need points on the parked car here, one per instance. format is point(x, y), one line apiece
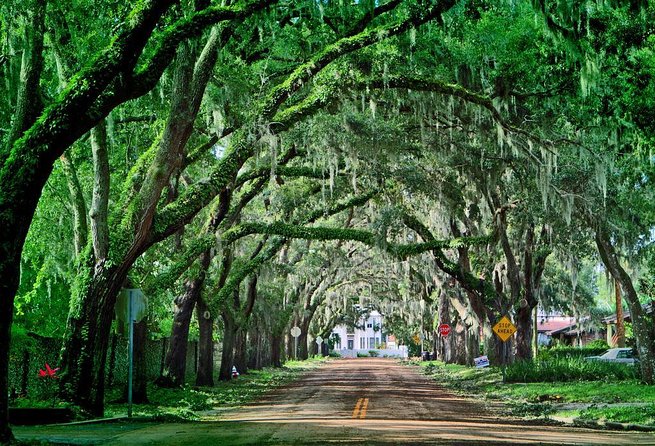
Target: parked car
point(622, 355)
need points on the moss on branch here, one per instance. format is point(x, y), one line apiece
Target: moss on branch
point(291, 231)
point(283, 171)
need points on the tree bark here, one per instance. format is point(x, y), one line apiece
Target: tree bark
point(175, 363)
point(240, 359)
point(16, 214)
point(205, 374)
point(28, 103)
point(276, 350)
point(444, 352)
point(100, 201)
point(227, 354)
point(86, 342)
point(460, 337)
point(78, 204)
point(523, 322)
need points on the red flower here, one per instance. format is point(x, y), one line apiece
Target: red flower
point(48, 372)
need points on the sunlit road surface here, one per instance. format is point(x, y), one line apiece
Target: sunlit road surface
point(363, 401)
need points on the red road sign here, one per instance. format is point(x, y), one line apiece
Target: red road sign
point(444, 330)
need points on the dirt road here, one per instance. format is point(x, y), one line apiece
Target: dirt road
point(357, 401)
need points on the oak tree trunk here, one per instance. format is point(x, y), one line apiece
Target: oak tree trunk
point(227, 354)
point(240, 360)
point(276, 350)
point(84, 352)
point(205, 374)
point(523, 322)
point(175, 363)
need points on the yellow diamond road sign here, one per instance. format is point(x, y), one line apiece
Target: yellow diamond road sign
point(504, 329)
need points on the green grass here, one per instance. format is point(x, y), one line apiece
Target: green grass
point(575, 392)
point(539, 399)
point(637, 415)
point(185, 403)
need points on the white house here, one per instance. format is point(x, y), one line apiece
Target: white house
point(372, 336)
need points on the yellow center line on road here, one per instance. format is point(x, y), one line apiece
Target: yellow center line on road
point(360, 408)
point(362, 413)
point(357, 406)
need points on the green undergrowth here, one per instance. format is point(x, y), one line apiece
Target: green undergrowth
point(188, 403)
point(569, 369)
point(543, 399)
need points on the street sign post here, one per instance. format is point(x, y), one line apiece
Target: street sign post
point(319, 341)
point(504, 329)
point(295, 332)
point(444, 330)
point(131, 307)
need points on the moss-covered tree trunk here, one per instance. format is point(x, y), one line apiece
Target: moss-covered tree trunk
point(85, 347)
point(20, 189)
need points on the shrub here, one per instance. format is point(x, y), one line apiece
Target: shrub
point(569, 352)
point(568, 369)
point(373, 353)
point(362, 355)
point(334, 354)
point(600, 344)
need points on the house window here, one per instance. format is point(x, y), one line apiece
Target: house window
point(369, 325)
point(371, 342)
point(361, 343)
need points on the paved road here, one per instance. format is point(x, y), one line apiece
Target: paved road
point(356, 401)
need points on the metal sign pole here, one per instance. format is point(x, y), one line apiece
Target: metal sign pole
point(504, 359)
point(130, 353)
point(295, 350)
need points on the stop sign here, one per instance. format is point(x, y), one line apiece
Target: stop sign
point(444, 329)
